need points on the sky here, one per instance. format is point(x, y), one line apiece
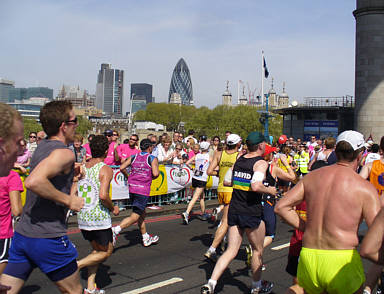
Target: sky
point(309, 45)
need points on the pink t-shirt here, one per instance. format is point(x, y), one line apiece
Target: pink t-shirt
point(88, 150)
point(110, 159)
point(125, 151)
point(7, 184)
point(24, 158)
point(192, 153)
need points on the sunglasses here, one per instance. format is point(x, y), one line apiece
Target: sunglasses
point(32, 137)
point(179, 149)
point(108, 135)
point(74, 121)
point(115, 135)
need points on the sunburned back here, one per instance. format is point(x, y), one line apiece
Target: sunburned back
point(334, 197)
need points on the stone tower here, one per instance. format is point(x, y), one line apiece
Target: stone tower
point(369, 72)
point(227, 96)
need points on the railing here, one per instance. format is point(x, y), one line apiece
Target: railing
point(344, 101)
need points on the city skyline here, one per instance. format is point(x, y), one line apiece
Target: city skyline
point(309, 46)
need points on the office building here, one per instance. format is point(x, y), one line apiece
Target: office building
point(142, 91)
point(5, 87)
point(109, 90)
point(181, 83)
point(78, 97)
point(26, 93)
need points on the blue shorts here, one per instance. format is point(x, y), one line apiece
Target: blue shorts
point(243, 221)
point(269, 218)
point(139, 203)
point(48, 254)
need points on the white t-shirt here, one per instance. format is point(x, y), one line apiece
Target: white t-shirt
point(201, 166)
point(371, 157)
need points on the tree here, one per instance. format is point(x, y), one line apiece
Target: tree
point(84, 125)
point(31, 125)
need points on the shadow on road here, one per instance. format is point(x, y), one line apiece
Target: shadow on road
point(103, 277)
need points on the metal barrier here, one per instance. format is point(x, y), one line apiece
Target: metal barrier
point(182, 196)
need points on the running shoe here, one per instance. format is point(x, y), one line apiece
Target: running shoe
point(263, 267)
point(206, 289)
point(185, 216)
point(379, 290)
point(248, 251)
point(211, 255)
point(114, 236)
point(151, 240)
point(94, 291)
point(266, 287)
point(204, 216)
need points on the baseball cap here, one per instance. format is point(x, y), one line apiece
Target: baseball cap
point(233, 139)
point(108, 133)
point(204, 145)
point(255, 138)
point(282, 139)
point(355, 139)
point(269, 149)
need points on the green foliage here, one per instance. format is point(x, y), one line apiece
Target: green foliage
point(241, 119)
point(84, 125)
point(31, 125)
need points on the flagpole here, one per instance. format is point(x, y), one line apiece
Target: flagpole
point(262, 78)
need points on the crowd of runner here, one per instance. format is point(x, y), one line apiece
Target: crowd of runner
point(323, 188)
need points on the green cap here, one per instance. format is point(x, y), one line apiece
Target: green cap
point(255, 138)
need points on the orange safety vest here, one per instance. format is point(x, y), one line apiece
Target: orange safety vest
point(376, 177)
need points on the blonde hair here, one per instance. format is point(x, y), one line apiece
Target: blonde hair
point(8, 116)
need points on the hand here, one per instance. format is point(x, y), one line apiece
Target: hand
point(272, 191)
point(284, 161)
point(75, 203)
point(116, 210)
point(4, 289)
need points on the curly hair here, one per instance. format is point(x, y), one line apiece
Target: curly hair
point(99, 145)
point(53, 114)
point(8, 116)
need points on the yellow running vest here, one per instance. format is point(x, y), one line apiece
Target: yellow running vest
point(226, 162)
point(376, 177)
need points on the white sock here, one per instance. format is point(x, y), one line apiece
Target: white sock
point(256, 285)
point(212, 249)
point(218, 209)
point(145, 236)
point(117, 229)
point(212, 283)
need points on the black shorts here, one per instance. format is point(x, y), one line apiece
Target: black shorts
point(269, 218)
point(198, 184)
point(139, 203)
point(293, 262)
point(101, 237)
point(5, 244)
point(243, 221)
point(282, 183)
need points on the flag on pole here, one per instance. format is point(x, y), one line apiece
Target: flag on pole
point(266, 72)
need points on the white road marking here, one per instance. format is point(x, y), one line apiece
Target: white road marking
point(154, 286)
point(280, 247)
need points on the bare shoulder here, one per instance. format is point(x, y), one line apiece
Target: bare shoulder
point(64, 155)
point(260, 164)
point(107, 170)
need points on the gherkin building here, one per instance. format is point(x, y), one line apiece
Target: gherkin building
point(181, 83)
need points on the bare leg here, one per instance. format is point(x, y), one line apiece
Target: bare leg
point(15, 283)
point(256, 239)
point(234, 241)
point(141, 223)
point(70, 284)
point(92, 270)
point(295, 289)
point(128, 221)
point(202, 202)
point(267, 241)
point(2, 267)
point(222, 229)
point(98, 255)
point(196, 195)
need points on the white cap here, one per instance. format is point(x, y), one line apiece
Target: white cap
point(355, 139)
point(204, 145)
point(233, 139)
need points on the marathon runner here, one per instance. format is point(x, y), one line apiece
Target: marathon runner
point(199, 181)
point(245, 213)
point(40, 238)
point(94, 218)
point(144, 168)
point(224, 160)
point(337, 199)
point(374, 172)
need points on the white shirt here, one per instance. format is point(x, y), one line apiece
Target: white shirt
point(371, 157)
